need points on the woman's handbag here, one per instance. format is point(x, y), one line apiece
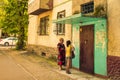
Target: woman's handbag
point(73, 54)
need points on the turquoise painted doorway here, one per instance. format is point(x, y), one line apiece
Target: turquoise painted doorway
point(87, 49)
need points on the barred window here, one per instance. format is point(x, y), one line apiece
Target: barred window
point(87, 8)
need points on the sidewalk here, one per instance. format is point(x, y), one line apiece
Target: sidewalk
point(78, 75)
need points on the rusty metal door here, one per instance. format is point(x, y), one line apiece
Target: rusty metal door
point(87, 49)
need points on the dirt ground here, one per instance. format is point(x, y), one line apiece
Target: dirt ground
point(44, 68)
point(37, 67)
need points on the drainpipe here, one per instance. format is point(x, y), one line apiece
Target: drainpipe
point(71, 33)
point(107, 24)
point(40, 4)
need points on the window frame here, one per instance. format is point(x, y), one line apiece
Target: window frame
point(60, 28)
point(44, 25)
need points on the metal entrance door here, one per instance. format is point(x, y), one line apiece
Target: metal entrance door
point(87, 49)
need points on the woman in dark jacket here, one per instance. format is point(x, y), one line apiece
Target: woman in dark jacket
point(61, 53)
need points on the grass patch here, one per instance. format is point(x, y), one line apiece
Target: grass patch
point(52, 58)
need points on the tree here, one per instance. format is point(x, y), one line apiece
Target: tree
point(15, 20)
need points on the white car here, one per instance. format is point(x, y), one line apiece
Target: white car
point(8, 41)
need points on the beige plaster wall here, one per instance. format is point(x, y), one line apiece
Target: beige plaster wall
point(32, 29)
point(59, 2)
point(52, 39)
point(114, 27)
point(67, 6)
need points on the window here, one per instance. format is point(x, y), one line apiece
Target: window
point(87, 7)
point(60, 27)
point(44, 24)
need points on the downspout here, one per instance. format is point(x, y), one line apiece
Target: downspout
point(72, 32)
point(107, 24)
point(72, 25)
point(40, 4)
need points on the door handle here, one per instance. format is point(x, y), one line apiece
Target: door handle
point(85, 41)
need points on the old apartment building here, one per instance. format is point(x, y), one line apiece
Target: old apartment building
point(92, 25)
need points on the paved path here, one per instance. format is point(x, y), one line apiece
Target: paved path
point(9, 70)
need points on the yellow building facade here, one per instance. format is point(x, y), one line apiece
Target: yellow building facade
point(43, 34)
point(114, 27)
point(51, 38)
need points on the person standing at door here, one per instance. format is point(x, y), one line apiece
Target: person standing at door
point(68, 56)
point(61, 53)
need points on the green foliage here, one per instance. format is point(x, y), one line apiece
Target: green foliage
point(52, 58)
point(100, 11)
point(15, 20)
